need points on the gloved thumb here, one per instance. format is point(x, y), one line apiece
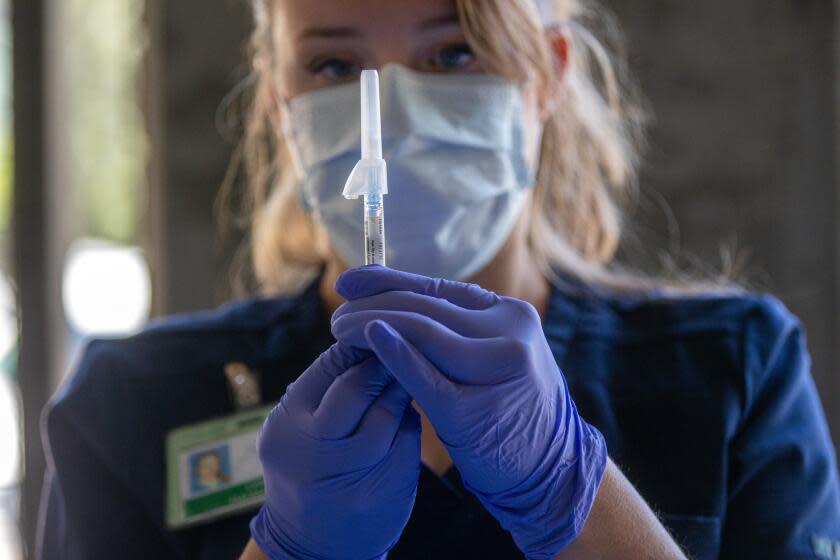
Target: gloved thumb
point(417, 375)
point(375, 279)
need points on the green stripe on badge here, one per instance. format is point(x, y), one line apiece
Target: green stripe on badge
point(223, 498)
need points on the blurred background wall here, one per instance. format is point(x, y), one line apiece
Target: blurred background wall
point(744, 148)
point(119, 153)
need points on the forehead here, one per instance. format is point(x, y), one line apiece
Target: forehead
point(370, 16)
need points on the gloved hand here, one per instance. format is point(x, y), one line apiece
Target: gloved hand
point(480, 367)
point(341, 459)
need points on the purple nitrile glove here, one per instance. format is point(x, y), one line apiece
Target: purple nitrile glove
point(480, 367)
point(341, 459)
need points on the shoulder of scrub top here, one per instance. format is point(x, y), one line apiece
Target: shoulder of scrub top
point(761, 318)
point(752, 339)
point(252, 331)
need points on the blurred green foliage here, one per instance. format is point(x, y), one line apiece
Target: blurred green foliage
point(103, 57)
point(6, 143)
point(6, 175)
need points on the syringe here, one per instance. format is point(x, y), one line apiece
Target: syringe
point(369, 177)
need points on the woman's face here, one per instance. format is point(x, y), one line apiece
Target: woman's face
point(328, 42)
point(325, 43)
point(209, 467)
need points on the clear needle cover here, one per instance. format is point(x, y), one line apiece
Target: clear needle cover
point(369, 178)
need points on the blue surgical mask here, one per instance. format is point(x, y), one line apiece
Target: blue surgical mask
point(458, 171)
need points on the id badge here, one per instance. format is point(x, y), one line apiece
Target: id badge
point(212, 468)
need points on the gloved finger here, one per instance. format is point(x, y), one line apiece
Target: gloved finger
point(395, 458)
point(464, 360)
point(306, 392)
point(383, 419)
point(417, 375)
point(466, 322)
point(375, 279)
point(405, 447)
point(349, 398)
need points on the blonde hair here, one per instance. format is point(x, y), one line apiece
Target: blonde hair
point(589, 157)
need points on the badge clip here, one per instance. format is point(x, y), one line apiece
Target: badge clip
point(244, 385)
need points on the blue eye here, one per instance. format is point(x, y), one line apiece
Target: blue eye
point(453, 57)
point(334, 69)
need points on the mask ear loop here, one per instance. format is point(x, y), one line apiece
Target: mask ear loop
point(284, 126)
point(551, 26)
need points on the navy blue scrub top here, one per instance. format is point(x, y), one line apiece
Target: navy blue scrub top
point(707, 404)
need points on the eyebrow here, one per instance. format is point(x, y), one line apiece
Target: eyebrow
point(351, 32)
point(329, 33)
point(440, 21)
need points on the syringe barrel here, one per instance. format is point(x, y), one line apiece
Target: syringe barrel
point(374, 230)
point(371, 124)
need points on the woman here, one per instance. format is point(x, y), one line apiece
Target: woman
point(506, 160)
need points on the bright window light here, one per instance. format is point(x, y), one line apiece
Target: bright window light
point(106, 288)
point(10, 449)
point(9, 434)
